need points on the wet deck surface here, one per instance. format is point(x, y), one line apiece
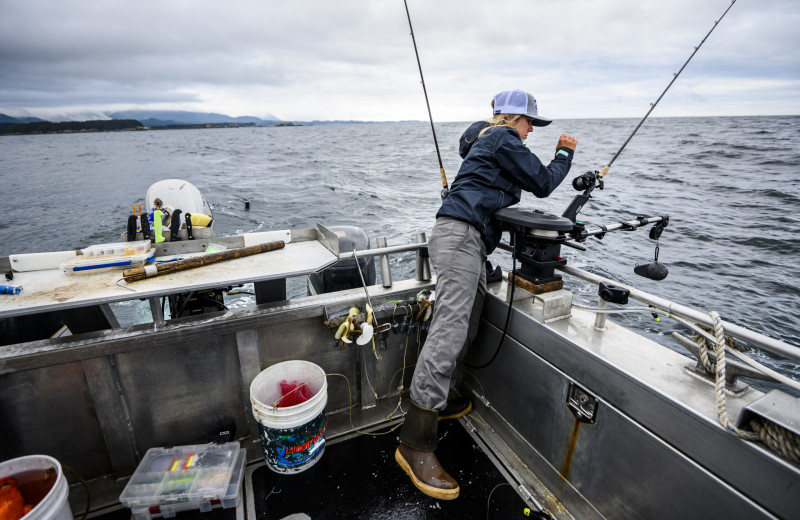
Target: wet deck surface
point(359, 479)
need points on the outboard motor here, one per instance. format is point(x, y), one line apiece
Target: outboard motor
point(344, 275)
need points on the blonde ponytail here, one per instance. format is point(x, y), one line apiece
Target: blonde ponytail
point(509, 120)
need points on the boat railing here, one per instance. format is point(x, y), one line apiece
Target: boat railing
point(756, 339)
point(423, 273)
point(423, 266)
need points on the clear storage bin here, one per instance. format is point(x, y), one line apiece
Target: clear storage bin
point(117, 248)
point(231, 498)
point(184, 477)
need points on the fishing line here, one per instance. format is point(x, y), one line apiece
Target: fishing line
point(349, 408)
point(488, 500)
point(445, 188)
point(653, 105)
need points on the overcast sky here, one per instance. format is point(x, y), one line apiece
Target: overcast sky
point(354, 59)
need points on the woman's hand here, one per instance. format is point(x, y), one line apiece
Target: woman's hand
point(567, 141)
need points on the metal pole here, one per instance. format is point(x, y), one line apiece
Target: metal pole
point(386, 272)
point(754, 338)
point(626, 226)
point(423, 273)
point(156, 310)
point(600, 319)
point(382, 251)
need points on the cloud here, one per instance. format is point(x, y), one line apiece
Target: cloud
point(354, 59)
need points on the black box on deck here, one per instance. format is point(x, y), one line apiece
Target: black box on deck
point(344, 275)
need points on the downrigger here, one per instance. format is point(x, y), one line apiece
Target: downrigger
point(537, 237)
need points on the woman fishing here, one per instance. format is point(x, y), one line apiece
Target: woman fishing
point(497, 167)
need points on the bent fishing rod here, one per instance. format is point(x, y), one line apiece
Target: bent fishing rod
point(445, 188)
point(653, 105)
point(589, 180)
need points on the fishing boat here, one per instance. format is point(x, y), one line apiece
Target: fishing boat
point(186, 213)
point(575, 416)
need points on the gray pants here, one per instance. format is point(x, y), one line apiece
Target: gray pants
point(458, 255)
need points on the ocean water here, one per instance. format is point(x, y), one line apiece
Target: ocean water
point(731, 187)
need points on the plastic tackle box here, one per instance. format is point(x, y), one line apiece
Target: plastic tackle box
point(231, 498)
point(83, 265)
point(169, 480)
point(117, 248)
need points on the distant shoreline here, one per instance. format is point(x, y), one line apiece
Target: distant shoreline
point(129, 125)
point(132, 125)
point(116, 125)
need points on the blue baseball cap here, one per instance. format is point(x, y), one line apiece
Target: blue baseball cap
point(519, 102)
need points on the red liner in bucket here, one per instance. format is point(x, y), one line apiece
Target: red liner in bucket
point(294, 393)
point(292, 435)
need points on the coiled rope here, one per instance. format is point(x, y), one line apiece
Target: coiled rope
point(777, 438)
point(718, 368)
point(773, 435)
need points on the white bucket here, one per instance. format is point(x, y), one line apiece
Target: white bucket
point(293, 437)
point(54, 505)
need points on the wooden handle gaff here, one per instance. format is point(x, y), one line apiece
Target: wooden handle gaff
point(140, 273)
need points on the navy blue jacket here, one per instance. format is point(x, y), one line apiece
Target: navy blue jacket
point(497, 167)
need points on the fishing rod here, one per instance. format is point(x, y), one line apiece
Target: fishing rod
point(589, 180)
point(445, 188)
point(653, 105)
point(540, 253)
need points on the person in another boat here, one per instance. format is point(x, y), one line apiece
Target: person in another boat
point(157, 217)
point(166, 212)
point(497, 166)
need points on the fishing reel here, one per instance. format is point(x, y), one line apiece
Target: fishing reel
point(588, 180)
point(586, 183)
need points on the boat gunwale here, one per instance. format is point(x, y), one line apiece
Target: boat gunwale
point(56, 351)
point(660, 404)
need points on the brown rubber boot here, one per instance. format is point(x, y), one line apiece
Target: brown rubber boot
point(416, 456)
point(455, 408)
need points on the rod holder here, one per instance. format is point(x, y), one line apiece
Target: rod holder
point(386, 272)
point(600, 319)
point(156, 310)
point(423, 273)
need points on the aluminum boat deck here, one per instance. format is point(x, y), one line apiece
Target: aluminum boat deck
point(587, 422)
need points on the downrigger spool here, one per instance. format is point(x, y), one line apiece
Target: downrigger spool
point(537, 237)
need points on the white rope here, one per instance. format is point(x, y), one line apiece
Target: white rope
point(719, 387)
point(702, 344)
point(774, 436)
point(703, 336)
